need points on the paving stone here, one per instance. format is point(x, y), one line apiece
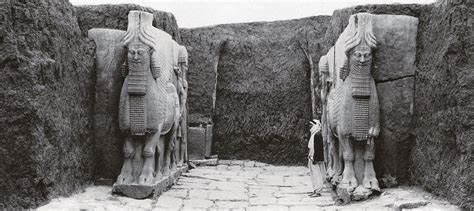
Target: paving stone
point(227, 209)
point(195, 186)
point(251, 182)
point(197, 203)
point(286, 195)
point(229, 173)
point(199, 194)
point(214, 177)
point(224, 162)
point(237, 162)
point(243, 180)
point(200, 179)
point(253, 169)
point(164, 209)
point(222, 167)
point(263, 187)
point(269, 177)
point(297, 189)
point(319, 201)
point(268, 208)
point(262, 200)
point(306, 208)
point(272, 182)
point(235, 168)
point(260, 164)
point(146, 204)
point(237, 186)
point(261, 192)
point(180, 193)
point(248, 174)
point(169, 202)
point(276, 168)
point(249, 163)
point(228, 195)
point(245, 188)
point(291, 200)
point(231, 204)
point(193, 209)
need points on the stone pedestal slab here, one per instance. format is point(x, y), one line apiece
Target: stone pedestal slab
point(144, 191)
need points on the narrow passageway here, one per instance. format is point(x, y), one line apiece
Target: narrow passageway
point(244, 185)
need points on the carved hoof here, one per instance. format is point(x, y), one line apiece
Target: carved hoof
point(166, 172)
point(180, 164)
point(371, 183)
point(159, 176)
point(146, 180)
point(330, 173)
point(124, 179)
point(174, 167)
point(348, 183)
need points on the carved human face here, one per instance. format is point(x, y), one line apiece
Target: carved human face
point(138, 53)
point(361, 55)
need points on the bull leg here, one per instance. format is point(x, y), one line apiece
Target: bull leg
point(161, 157)
point(167, 156)
point(179, 147)
point(173, 149)
point(125, 176)
point(332, 155)
point(348, 181)
point(184, 144)
point(370, 180)
point(151, 142)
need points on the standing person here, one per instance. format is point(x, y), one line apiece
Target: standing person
point(316, 159)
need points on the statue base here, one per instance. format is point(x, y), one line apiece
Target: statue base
point(358, 194)
point(145, 191)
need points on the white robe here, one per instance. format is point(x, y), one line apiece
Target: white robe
point(318, 170)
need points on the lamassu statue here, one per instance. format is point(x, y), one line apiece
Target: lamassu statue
point(150, 110)
point(351, 108)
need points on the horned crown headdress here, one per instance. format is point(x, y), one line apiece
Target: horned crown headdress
point(360, 32)
point(139, 29)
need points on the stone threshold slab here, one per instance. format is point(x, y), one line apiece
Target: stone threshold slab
point(145, 191)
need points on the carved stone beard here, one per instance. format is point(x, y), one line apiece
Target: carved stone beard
point(137, 88)
point(361, 81)
point(137, 76)
point(360, 75)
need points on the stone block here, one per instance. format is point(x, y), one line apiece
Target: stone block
point(230, 195)
point(144, 191)
point(268, 208)
point(234, 205)
point(196, 143)
point(262, 200)
point(199, 194)
point(169, 202)
point(197, 203)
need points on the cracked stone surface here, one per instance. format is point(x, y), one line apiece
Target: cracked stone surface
point(246, 185)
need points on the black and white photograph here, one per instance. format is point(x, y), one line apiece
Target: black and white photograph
point(237, 105)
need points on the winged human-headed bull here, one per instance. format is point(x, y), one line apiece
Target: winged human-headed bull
point(350, 106)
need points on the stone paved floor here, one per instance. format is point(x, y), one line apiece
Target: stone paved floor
point(245, 185)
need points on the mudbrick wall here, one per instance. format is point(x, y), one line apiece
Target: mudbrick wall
point(107, 136)
point(442, 152)
point(116, 17)
point(253, 81)
point(46, 99)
